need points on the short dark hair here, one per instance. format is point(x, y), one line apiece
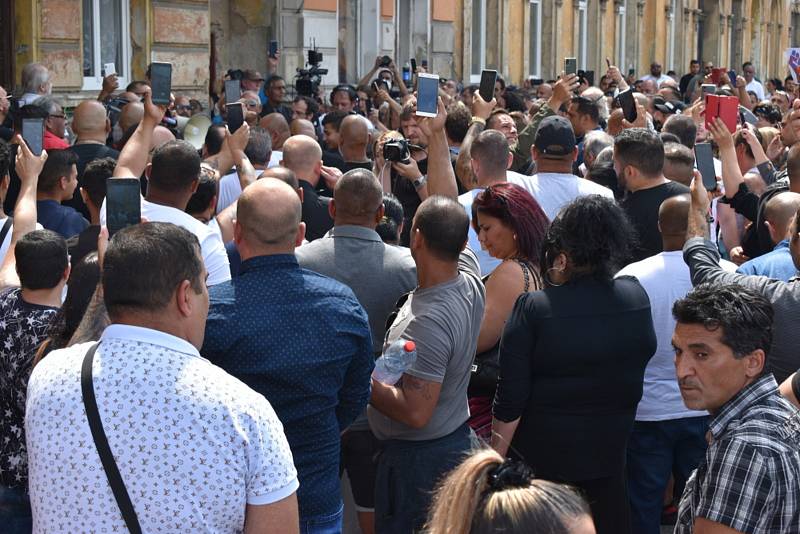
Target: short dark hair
point(59, 163)
point(5, 159)
point(259, 146)
point(585, 106)
point(389, 226)
point(667, 137)
point(595, 233)
point(444, 224)
point(514, 101)
point(747, 64)
point(683, 127)
point(491, 149)
point(640, 148)
point(745, 316)
point(207, 187)
point(457, 122)
point(42, 258)
point(176, 165)
point(769, 112)
point(738, 139)
point(130, 88)
point(272, 79)
point(311, 104)
point(145, 263)
point(334, 118)
point(94, 177)
point(694, 62)
point(215, 137)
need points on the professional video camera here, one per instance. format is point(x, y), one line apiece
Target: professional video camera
point(307, 80)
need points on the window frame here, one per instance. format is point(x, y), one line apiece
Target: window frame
point(535, 63)
point(95, 83)
point(583, 30)
point(476, 77)
point(620, 41)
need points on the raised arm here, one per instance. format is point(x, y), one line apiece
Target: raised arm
point(237, 142)
point(481, 110)
point(368, 76)
point(28, 168)
point(441, 178)
point(133, 158)
point(731, 175)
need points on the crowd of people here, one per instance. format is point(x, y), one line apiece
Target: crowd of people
point(601, 342)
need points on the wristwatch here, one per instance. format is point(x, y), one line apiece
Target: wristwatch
point(479, 120)
point(420, 182)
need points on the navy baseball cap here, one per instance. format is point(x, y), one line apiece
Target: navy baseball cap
point(555, 137)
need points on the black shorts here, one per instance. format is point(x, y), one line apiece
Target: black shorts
point(359, 457)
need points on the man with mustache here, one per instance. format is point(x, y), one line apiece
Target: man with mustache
point(748, 481)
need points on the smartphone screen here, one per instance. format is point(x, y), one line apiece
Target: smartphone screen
point(33, 134)
point(709, 88)
point(427, 95)
point(161, 82)
point(273, 48)
point(570, 65)
point(705, 164)
point(628, 105)
point(233, 90)
point(732, 77)
point(235, 115)
point(488, 79)
point(123, 204)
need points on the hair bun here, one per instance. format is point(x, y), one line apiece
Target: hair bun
point(510, 474)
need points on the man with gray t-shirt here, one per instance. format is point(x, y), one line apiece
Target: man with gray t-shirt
point(423, 418)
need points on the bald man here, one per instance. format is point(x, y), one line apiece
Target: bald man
point(276, 125)
point(91, 126)
point(319, 341)
point(130, 116)
point(665, 433)
point(303, 155)
point(303, 127)
point(353, 141)
point(779, 214)
point(379, 275)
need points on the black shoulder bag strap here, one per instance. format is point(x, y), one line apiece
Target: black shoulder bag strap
point(103, 449)
point(5, 229)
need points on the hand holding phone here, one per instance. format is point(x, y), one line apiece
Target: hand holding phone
point(570, 65)
point(705, 164)
point(427, 94)
point(488, 80)
point(109, 69)
point(33, 135)
point(628, 104)
point(235, 116)
point(161, 82)
point(233, 90)
point(273, 48)
point(123, 203)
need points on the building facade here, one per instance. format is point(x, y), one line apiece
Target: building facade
point(519, 38)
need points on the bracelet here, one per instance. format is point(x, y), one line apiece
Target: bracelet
point(479, 120)
point(419, 183)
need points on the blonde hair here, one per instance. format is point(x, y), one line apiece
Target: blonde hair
point(480, 497)
point(768, 133)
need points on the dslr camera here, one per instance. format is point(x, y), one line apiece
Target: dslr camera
point(396, 150)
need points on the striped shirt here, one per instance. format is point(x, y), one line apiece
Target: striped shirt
point(750, 477)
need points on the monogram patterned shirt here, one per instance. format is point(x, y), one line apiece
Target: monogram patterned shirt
point(23, 326)
point(194, 445)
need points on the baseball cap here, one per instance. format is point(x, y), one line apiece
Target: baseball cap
point(666, 107)
point(555, 137)
point(252, 75)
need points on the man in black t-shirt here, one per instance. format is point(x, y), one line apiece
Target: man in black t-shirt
point(639, 164)
point(409, 179)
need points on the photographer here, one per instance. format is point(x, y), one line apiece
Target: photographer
point(388, 72)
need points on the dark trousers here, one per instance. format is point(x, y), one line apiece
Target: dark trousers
point(655, 450)
point(408, 472)
point(608, 500)
point(15, 511)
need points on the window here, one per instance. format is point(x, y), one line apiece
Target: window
point(619, 45)
point(535, 31)
point(478, 39)
point(105, 40)
point(583, 31)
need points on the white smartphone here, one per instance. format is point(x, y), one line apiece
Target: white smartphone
point(427, 94)
point(109, 69)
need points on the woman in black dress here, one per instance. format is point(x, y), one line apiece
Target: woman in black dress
point(572, 361)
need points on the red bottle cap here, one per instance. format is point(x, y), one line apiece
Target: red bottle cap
point(410, 346)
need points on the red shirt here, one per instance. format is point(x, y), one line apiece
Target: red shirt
point(50, 141)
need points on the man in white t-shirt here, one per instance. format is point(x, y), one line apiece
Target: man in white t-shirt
point(555, 150)
point(490, 156)
point(197, 450)
point(666, 434)
point(172, 177)
point(655, 75)
point(749, 73)
point(258, 151)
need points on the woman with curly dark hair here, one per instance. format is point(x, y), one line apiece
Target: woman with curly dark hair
point(572, 360)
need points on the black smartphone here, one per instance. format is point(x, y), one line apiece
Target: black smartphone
point(570, 65)
point(628, 104)
point(161, 82)
point(123, 204)
point(732, 77)
point(33, 134)
point(235, 114)
point(631, 72)
point(273, 48)
point(488, 79)
point(413, 65)
point(385, 61)
point(233, 90)
point(704, 160)
point(427, 95)
point(380, 84)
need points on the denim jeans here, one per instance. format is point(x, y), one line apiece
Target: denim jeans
point(655, 448)
point(328, 524)
point(407, 475)
point(15, 511)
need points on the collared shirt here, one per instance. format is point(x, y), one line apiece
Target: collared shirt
point(22, 327)
point(60, 219)
point(211, 247)
point(777, 264)
point(750, 477)
point(194, 445)
point(303, 341)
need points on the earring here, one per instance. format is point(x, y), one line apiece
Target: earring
point(515, 237)
point(547, 277)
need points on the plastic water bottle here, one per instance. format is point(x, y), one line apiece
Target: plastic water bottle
point(397, 359)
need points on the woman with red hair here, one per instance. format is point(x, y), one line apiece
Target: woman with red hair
point(511, 226)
